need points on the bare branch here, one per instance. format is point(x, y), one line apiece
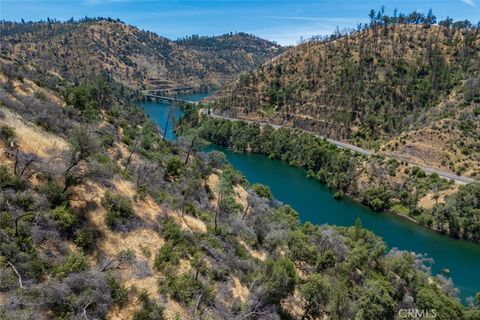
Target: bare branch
point(18, 274)
point(85, 310)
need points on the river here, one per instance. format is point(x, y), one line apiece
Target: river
point(315, 203)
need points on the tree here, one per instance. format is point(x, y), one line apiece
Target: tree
point(338, 307)
point(280, 279)
point(300, 248)
point(82, 146)
point(376, 300)
point(315, 293)
point(431, 297)
point(192, 142)
point(173, 169)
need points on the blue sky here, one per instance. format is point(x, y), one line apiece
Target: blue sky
point(284, 21)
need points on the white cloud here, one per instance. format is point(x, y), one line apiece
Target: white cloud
point(469, 2)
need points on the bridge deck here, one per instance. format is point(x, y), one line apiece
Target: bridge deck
point(165, 98)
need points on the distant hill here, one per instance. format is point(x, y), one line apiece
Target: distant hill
point(136, 58)
point(409, 89)
point(244, 49)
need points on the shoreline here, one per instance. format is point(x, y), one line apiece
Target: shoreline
point(358, 201)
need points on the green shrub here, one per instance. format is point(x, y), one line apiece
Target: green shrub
point(8, 180)
point(65, 217)
point(300, 248)
point(8, 280)
point(76, 262)
point(107, 140)
point(118, 292)
point(476, 112)
point(229, 205)
point(36, 268)
point(418, 172)
point(338, 195)
point(119, 209)
point(149, 310)
point(24, 201)
point(262, 190)
point(54, 193)
point(183, 288)
point(86, 238)
point(172, 231)
point(6, 221)
point(279, 279)
point(166, 255)
point(7, 134)
point(173, 169)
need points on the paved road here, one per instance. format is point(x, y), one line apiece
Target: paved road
point(444, 174)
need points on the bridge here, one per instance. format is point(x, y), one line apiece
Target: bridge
point(160, 94)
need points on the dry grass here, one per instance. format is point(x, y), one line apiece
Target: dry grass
point(239, 291)
point(260, 255)
point(31, 138)
point(293, 305)
point(212, 182)
point(428, 202)
point(241, 195)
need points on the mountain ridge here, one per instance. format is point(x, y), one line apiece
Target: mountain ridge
point(79, 50)
point(375, 88)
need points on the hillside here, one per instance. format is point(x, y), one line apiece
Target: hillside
point(411, 90)
point(102, 219)
point(136, 58)
point(243, 50)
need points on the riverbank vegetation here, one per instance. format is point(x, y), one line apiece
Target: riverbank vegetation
point(380, 183)
point(100, 217)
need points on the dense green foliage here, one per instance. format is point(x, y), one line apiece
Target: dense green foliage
point(455, 215)
point(340, 169)
point(280, 280)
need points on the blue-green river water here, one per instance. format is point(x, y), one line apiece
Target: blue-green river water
point(315, 203)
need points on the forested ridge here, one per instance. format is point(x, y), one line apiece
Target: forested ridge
point(102, 218)
point(406, 85)
point(79, 50)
